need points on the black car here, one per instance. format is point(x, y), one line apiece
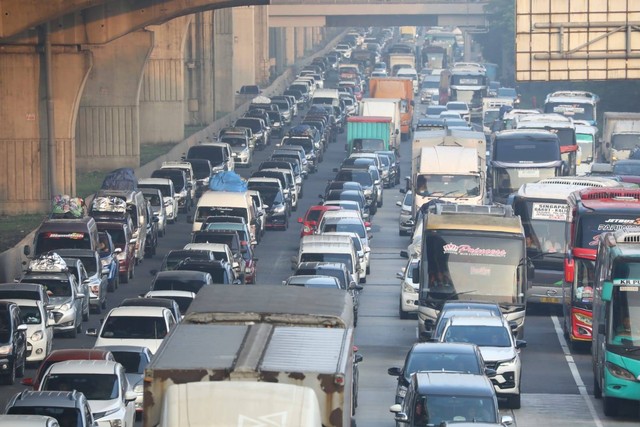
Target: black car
point(172, 258)
point(452, 357)
point(221, 271)
point(190, 281)
point(13, 338)
point(277, 215)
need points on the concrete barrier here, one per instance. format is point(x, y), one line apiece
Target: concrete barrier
point(11, 260)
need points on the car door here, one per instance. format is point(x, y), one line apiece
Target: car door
point(83, 287)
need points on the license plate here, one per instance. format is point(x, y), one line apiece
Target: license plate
point(550, 300)
point(529, 173)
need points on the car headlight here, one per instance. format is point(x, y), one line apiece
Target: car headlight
point(402, 391)
point(508, 363)
point(248, 270)
point(6, 349)
point(368, 192)
point(104, 262)
point(121, 256)
point(407, 288)
point(64, 307)
point(620, 372)
point(95, 289)
point(36, 336)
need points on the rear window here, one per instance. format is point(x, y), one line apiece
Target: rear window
point(51, 240)
point(214, 154)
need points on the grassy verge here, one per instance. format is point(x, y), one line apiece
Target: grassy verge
point(15, 228)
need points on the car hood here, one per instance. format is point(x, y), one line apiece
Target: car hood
point(58, 301)
point(494, 354)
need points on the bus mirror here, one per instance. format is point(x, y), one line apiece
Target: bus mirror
point(607, 291)
point(568, 270)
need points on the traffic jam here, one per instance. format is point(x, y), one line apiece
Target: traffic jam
point(499, 209)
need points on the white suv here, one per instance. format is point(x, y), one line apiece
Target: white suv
point(500, 350)
point(103, 382)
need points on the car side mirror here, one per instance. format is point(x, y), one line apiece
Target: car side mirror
point(130, 396)
point(404, 254)
point(80, 296)
point(521, 344)
point(395, 371)
point(22, 327)
point(26, 250)
point(398, 203)
point(506, 420)
point(92, 332)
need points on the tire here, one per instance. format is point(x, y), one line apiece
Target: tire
point(610, 406)
point(97, 309)
point(85, 316)
point(368, 271)
point(10, 378)
point(597, 391)
point(380, 203)
point(513, 401)
point(132, 273)
point(103, 305)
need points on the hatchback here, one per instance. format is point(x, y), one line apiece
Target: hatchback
point(69, 408)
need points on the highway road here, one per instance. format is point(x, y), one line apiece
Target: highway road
point(557, 385)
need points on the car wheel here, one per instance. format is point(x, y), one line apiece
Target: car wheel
point(132, 272)
point(97, 309)
point(514, 401)
point(380, 203)
point(10, 378)
point(610, 406)
point(85, 316)
point(103, 304)
point(125, 277)
point(368, 269)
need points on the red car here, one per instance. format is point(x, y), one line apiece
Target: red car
point(313, 217)
point(249, 265)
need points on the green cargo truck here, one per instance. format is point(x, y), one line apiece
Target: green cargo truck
point(370, 133)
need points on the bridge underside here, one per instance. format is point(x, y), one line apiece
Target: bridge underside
point(346, 15)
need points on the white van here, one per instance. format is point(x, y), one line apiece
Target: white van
point(332, 248)
point(224, 403)
point(214, 203)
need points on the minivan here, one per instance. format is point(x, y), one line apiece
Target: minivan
point(214, 203)
point(81, 233)
point(321, 248)
point(218, 153)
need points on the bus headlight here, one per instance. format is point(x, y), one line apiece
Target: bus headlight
point(620, 372)
point(583, 319)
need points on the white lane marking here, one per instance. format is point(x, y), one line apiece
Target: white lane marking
point(574, 372)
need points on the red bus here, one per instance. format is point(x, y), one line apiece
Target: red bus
point(593, 212)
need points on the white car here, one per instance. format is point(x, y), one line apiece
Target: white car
point(408, 290)
point(344, 49)
point(134, 325)
point(165, 186)
point(39, 328)
point(103, 382)
point(500, 350)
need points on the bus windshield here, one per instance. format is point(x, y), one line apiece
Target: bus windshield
point(448, 185)
point(590, 226)
point(544, 223)
point(485, 266)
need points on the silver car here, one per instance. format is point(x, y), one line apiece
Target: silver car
point(405, 221)
point(154, 197)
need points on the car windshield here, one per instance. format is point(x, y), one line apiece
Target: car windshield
point(66, 417)
point(442, 361)
point(176, 176)
point(134, 327)
point(175, 284)
point(153, 199)
point(236, 143)
point(481, 335)
point(344, 226)
point(164, 189)
point(132, 361)
point(93, 386)
point(328, 257)
point(90, 264)
point(117, 236)
point(201, 170)
point(271, 196)
point(55, 288)
point(213, 153)
point(30, 315)
point(252, 124)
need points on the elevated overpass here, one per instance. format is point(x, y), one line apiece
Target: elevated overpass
point(381, 13)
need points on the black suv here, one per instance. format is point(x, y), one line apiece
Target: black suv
point(13, 341)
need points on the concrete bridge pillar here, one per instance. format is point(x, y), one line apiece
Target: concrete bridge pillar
point(199, 70)
point(162, 94)
point(24, 170)
point(108, 127)
point(290, 45)
point(300, 35)
point(279, 49)
point(261, 34)
point(308, 39)
point(235, 59)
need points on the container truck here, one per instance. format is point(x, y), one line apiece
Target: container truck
point(396, 87)
point(384, 107)
point(448, 165)
point(368, 134)
point(271, 334)
point(621, 134)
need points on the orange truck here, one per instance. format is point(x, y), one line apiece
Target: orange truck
point(400, 88)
